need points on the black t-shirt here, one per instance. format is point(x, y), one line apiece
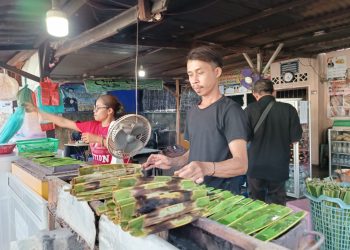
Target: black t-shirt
point(269, 148)
point(209, 132)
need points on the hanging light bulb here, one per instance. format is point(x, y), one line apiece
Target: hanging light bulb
point(56, 22)
point(142, 72)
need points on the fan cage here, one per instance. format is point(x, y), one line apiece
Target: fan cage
point(128, 122)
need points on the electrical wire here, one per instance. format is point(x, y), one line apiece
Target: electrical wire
point(98, 7)
point(121, 4)
point(312, 67)
point(136, 59)
point(194, 10)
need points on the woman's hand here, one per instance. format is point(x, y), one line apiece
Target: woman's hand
point(90, 138)
point(157, 161)
point(29, 108)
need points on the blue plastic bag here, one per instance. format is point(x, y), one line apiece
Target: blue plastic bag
point(12, 125)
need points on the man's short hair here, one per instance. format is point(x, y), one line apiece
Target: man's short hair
point(206, 54)
point(263, 86)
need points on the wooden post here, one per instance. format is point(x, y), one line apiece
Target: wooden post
point(177, 96)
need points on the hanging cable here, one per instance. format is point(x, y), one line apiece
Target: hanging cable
point(136, 59)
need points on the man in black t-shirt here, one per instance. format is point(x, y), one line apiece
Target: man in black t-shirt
point(269, 148)
point(215, 128)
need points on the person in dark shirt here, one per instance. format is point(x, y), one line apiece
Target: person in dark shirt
point(269, 148)
point(215, 128)
point(70, 102)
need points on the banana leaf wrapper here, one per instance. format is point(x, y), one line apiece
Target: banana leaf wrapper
point(181, 220)
point(95, 197)
point(39, 154)
point(220, 214)
point(106, 167)
point(229, 202)
point(113, 183)
point(108, 205)
point(280, 226)
point(240, 212)
point(131, 207)
point(144, 189)
point(104, 175)
point(166, 213)
point(258, 220)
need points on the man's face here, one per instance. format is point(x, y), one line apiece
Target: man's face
point(202, 76)
point(70, 93)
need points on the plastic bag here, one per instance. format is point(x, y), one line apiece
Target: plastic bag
point(49, 108)
point(9, 87)
point(50, 94)
point(30, 128)
point(12, 125)
point(24, 96)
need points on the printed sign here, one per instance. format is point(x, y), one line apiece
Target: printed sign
point(103, 85)
point(339, 99)
point(76, 98)
point(336, 67)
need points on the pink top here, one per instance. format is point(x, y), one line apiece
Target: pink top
point(100, 153)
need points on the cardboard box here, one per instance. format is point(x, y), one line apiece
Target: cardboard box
point(39, 186)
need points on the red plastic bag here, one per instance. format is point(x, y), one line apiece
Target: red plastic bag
point(50, 94)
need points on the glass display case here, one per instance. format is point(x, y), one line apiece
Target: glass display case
point(339, 148)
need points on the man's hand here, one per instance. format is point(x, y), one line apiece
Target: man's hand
point(195, 171)
point(157, 161)
point(90, 138)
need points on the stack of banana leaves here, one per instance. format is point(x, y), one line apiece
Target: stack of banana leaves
point(97, 182)
point(317, 187)
point(48, 159)
point(145, 205)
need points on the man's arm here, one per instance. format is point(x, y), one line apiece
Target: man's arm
point(235, 166)
point(163, 162)
point(180, 161)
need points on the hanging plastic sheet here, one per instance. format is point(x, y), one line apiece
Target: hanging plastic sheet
point(12, 125)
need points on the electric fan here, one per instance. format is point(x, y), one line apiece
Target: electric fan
point(249, 78)
point(127, 136)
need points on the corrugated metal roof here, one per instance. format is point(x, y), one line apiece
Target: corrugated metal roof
point(305, 27)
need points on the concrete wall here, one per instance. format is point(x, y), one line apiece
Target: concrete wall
point(309, 78)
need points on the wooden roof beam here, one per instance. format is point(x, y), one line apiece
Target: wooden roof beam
point(265, 13)
point(20, 72)
point(309, 25)
point(124, 61)
point(20, 57)
point(104, 30)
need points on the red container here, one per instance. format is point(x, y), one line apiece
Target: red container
point(7, 148)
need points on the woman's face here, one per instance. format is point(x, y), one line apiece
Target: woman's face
point(101, 111)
